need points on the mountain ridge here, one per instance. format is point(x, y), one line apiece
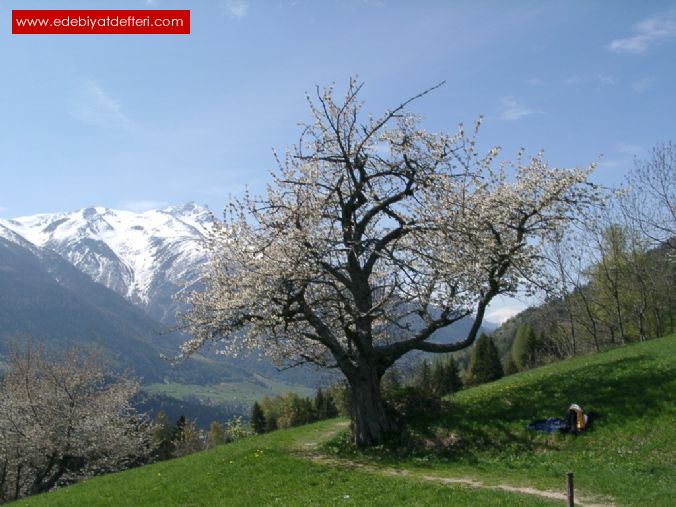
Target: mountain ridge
point(146, 257)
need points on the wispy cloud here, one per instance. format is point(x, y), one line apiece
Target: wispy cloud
point(235, 8)
point(598, 78)
point(573, 80)
point(512, 110)
point(95, 106)
point(609, 164)
point(143, 205)
point(649, 32)
point(535, 81)
point(604, 78)
point(643, 85)
point(629, 149)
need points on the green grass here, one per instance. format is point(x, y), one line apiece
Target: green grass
point(244, 391)
point(629, 455)
point(265, 471)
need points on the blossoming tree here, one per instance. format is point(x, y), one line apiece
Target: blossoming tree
point(373, 235)
point(62, 420)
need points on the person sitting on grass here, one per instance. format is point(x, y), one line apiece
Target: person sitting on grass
point(576, 420)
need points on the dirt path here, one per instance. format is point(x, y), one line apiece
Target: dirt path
point(310, 450)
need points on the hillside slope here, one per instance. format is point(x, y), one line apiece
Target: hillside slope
point(627, 458)
point(44, 297)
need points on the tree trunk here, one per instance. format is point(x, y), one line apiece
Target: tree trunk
point(17, 483)
point(658, 319)
point(592, 320)
point(618, 311)
point(370, 421)
point(3, 478)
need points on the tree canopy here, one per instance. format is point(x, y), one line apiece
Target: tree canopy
point(374, 234)
point(62, 419)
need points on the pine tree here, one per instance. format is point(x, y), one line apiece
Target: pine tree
point(485, 365)
point(330, 403)
point(446, 377)
point(439, 378)
point(179, 428)
point(510, 367)
point(453, 381)
point(320, 405)
point(258, 422)
point(525, 347)
point(424, 377)
point(162, 434)
point(270, 423)
point(302, 410)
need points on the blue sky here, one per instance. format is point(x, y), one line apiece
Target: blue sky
point(142, 121)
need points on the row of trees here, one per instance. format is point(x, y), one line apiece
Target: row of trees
point(624, 294)
point(285, 411)
point(62, 418)
point(611, 275)
point(426, 379)
point(272, 413)
point(437, 378)
point(183, 438)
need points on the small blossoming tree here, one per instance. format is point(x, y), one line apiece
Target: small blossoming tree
point(373, 235)
point(62, 419)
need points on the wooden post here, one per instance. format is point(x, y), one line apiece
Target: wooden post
point(569, 487)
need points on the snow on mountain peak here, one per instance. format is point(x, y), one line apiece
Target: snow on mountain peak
point(10, 235)
point(136, 254)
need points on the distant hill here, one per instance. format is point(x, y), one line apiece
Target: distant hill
point(44, 297)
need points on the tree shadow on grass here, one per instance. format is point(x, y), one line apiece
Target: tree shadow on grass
point(495, 418)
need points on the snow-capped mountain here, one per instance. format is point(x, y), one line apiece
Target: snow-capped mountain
point(147, 257)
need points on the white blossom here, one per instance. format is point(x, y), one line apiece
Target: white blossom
point(61, 420)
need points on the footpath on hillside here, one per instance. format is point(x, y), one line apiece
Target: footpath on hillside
point(309, 448)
